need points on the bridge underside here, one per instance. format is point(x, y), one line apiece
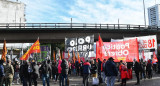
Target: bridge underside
point(58, 35)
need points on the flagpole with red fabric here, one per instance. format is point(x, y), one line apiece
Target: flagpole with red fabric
point(35, 48)
point(4, 51)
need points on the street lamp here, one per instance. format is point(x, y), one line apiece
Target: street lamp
point(144, 13)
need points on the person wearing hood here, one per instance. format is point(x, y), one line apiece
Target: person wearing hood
point(64, 73)
point(86, 72)
point(110, 71)
point(59, 72)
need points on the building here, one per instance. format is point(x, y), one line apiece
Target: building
point(154, 15)
point(12, 12)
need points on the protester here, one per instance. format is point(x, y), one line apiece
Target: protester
point(99, 67)
point(129, 67)
point(30, 71)
point(16, 69)
point(81, 68)
point(93, 69)
point(73, 68)
point(77, 67)
point(149, 69)
point(35, 73)
point(1, 73)
point(137, 70)
point(102, 69)
point(24, 73)
point(9, 72)
point(120, 69)
point(124, 74)
point(70, 69)
point(44, 69)
point(110, 71)
point(86, 72)
point(59, 72)
point(54, 71)
point(64, 73)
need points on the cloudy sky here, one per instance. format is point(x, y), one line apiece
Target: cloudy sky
point(87, 11)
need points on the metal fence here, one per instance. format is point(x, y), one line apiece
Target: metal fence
point(74, 25)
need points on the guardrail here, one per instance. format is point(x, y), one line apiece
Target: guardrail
point(75, 25)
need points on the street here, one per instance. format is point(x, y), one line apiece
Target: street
point(77, 81)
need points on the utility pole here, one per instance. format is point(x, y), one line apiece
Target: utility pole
point(144, 13)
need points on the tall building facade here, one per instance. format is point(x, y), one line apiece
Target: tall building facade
point(154, 15)
point(12, 12)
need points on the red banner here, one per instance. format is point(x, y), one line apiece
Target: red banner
point(124, 50)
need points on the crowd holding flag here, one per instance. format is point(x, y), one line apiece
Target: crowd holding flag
point(4, 51)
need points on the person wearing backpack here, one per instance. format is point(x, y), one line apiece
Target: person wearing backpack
point(65, 67)
point(44, 69)
point(1, 73)
point(9, 72)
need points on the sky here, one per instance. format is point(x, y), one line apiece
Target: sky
point(87, 11)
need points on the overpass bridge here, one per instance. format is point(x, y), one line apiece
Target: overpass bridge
point(56, 32)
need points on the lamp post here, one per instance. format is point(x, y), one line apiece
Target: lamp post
point(144, 13)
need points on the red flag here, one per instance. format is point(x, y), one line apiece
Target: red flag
point(100, 41)
point(143, 55)
point(99, 47)
point(154, 58)
point(4, 52)
point(54, 56)
point(68, 54)
point(35, 48)
point(79, 60)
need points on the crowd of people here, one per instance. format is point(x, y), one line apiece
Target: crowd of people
point(106, 71)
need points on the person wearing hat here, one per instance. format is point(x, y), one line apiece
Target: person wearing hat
point(110, 71)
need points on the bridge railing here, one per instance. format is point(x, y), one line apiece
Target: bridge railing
point(74, 26)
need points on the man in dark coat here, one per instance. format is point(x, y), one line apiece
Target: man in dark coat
point(44, 70)
point(110, 71)
point(65, 68)
point(137, 69)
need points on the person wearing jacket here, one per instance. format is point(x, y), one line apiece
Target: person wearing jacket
point(86, 72)
point(9, 72)
point(64, 73)
point(44, 69)
point(124, 74)
point(59, 72)
point(137, 70)
point(110, 71)
point(149, 69)
point(1, 73)
point(35, 73)
point(93, 69)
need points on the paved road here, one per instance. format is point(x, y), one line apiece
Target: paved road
point(77, 81)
